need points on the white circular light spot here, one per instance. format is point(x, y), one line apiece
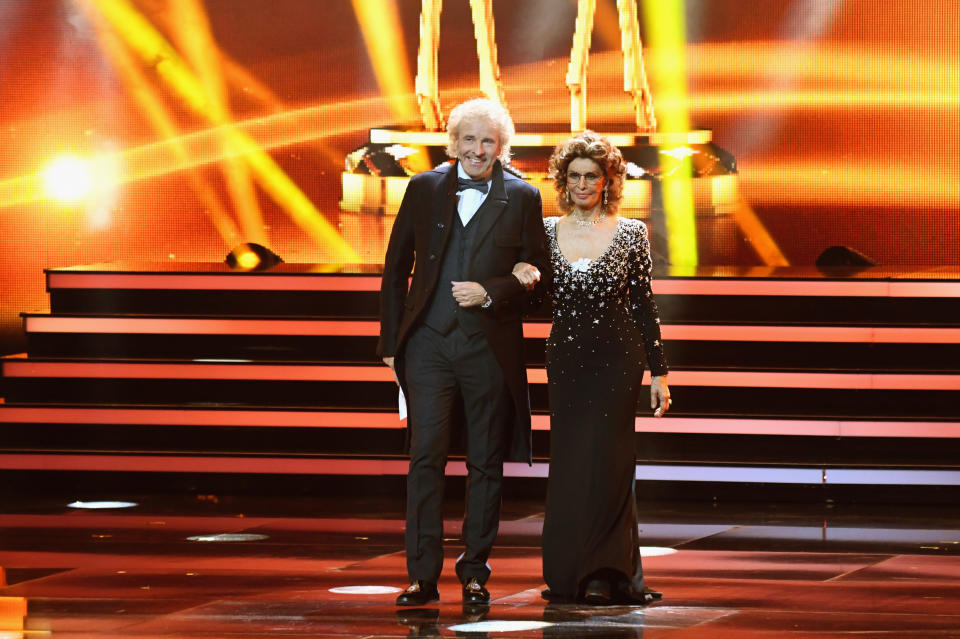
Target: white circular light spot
point(68, 178)
point(366, 590)
point(656, 551)
point(225, 537)
point(94, 505)
point(500, 626)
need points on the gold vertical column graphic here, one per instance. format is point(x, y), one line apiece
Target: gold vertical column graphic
point(577, 70)
point(490, 83)
point(634, 73)
point(428, 91)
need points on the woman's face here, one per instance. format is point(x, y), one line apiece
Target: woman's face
point(585, 182)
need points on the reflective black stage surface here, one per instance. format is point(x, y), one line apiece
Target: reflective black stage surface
point(173, 566)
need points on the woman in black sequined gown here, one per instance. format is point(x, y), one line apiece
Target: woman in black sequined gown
point(605, 325)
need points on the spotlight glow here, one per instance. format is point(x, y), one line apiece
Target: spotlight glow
point(68, 179)
point(366, 590)
point(248, 260)
point(229, 537)
point(98, 505)
point(500, 626)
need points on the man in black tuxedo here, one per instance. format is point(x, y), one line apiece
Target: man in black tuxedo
point(458, 330)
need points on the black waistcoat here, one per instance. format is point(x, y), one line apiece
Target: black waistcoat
point(444, 313)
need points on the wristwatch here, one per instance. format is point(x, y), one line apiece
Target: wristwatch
point(487, 302)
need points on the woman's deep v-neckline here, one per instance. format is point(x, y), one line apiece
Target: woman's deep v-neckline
point(607, 249)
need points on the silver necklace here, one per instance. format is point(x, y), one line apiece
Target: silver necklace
point(592, 221)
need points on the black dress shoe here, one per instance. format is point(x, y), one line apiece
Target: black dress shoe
point(419, 593)
point(597, 593)
point(475, 593)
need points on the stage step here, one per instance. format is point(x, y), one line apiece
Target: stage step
point(742, 392)
point(777, 376)
point(326, 434)
point(213, 289)
point(756, 345)
point(708, 295)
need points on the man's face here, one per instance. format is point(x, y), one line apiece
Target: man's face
point(478, 146)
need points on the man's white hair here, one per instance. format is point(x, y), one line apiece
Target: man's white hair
point(481, 109)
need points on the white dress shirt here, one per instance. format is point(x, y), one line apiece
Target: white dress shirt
point(470, 199)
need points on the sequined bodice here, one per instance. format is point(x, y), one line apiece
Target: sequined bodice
point(609, 294)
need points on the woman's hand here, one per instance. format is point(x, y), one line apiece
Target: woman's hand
point(659, 396)
point(528, 274)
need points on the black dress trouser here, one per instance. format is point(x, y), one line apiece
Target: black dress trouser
point(436, 367)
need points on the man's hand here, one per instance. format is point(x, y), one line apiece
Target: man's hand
point(660, 396)
point(469, 294)
point(528, 274)
point(389, 362)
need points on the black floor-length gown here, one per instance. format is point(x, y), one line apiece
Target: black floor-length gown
point(605, 324)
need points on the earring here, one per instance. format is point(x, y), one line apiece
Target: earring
point(604, 197)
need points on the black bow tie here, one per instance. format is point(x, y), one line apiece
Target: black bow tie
point(480, 185)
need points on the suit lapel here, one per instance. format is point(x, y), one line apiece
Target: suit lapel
point(448, 192)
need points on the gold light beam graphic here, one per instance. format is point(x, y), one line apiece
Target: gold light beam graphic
point(195, 40)
point(247, 83)
point(838, 84)
point(666, 23)
point(152, 106)
point(203, 147)
point(383, 37)
point(141, 36)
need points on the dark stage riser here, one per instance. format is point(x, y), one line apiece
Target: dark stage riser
point(245, 370)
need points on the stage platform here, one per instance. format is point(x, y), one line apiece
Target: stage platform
point(281, 566)
point(826, 383)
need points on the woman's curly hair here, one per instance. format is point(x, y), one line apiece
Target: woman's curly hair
point(592, 146)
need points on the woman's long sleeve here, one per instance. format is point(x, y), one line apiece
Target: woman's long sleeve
point(642, 305)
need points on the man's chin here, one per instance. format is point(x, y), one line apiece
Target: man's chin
point(477, 172)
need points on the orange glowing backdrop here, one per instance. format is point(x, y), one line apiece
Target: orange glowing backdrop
point(159, 130)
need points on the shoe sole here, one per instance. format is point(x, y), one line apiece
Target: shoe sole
point(418, 603)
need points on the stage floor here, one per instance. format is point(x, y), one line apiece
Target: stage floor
point(745, 571)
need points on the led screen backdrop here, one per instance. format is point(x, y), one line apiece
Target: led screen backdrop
point(172, 130)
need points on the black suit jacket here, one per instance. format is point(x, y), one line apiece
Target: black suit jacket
point(510, 230)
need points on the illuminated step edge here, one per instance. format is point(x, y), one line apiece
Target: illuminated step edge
point(398, 467)
point(34, 369)
point(13, 414)
point(37, 324)
point(370, 283)
point(238, 281)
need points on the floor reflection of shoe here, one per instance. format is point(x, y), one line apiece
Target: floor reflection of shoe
point(422, 622)
point(474, 612)
point(418, 617)
point(419, 593)
point(474, 592)
point(597, 593)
